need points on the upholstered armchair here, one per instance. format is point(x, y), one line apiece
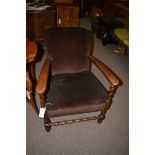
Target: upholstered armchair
point(66, 85)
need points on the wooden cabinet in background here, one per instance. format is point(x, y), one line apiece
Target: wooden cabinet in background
point(67, 16)
point(38, 22)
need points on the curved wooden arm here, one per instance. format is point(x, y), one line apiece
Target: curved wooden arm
point(111, 77)
point(43, 78)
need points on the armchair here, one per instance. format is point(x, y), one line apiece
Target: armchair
point(66, 85)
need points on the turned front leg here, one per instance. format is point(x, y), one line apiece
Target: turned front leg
point(46, 119)
point(108, 103)
point(110, 96)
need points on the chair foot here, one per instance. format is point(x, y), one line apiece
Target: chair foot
point(101, 118)
point(47, 121)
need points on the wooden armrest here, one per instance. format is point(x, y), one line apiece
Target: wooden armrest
point(43, 78)
point(111, 77)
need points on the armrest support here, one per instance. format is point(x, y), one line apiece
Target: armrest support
point(43, 78)
point(111, 77)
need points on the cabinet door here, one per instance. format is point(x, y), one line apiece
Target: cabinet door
point(46, 21)
point(67, 16)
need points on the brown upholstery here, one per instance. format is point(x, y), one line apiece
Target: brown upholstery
point(69, 48)
point(75, 93)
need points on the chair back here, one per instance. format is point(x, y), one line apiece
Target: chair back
point(69, 48)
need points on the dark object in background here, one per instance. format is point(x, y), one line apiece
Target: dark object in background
point(86, 5)
point(104, 28)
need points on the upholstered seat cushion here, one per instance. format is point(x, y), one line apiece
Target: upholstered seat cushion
point(75, 93)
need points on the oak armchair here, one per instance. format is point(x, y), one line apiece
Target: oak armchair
point(66, 85)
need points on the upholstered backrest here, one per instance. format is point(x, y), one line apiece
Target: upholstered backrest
point(68, 49)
